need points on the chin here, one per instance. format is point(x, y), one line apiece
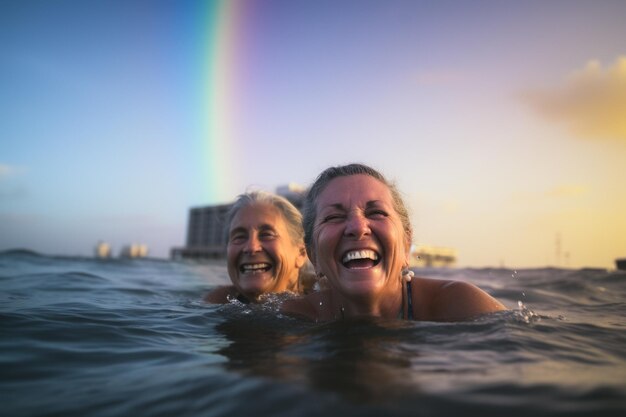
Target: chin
point(363, 286)
point(255, 284)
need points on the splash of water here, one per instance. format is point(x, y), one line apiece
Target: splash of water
point(525, 314)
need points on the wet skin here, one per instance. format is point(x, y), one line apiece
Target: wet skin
point(359, 243)
point(261, 256)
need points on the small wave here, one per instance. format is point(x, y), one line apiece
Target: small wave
point(19, 252)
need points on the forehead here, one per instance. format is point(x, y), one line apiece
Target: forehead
point(354, 190)
point(258, 215)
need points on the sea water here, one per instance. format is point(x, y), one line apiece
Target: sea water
point(87, 337)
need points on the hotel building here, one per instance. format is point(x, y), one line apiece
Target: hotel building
point(206, 234)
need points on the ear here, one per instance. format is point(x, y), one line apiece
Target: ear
point(407, 252)
point(301, 258)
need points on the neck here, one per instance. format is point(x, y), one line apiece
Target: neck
point(391, 304)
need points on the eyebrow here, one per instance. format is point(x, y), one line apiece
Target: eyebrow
point(340, 206)
point(337, 206)
point(372, 203)
point(267, 226)
point(237, 230)
point(263, 227)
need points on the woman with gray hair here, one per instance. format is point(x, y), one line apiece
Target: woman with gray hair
point(358, 236)
point(265, 250)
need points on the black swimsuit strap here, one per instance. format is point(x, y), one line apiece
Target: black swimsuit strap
point(242, 299)
point(410, 301)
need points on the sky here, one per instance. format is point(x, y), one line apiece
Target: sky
point(503, 123)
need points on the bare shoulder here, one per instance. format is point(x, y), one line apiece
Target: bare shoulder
point(446, 300)
point(306, 307)
point(220, 295)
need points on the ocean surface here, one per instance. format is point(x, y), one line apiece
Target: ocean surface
point(87, 337)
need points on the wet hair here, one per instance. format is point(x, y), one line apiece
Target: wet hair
point(329, 174)
point(293, 217)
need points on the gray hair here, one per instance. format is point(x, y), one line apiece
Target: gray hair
point(293, 217)
point(310, 201)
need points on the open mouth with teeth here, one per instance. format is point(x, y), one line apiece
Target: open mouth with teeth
point(255, 268)
point(360, 259)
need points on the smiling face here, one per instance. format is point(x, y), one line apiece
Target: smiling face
point(358, 238)
point(261, 255)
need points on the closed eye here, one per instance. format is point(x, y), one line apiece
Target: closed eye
point(268, 235)
point(333, 218)
point(377, 213)
point(238, 238)
point(267, 232)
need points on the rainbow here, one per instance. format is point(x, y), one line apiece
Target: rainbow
point(223, 33)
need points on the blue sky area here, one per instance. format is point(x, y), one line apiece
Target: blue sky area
point(503, 123)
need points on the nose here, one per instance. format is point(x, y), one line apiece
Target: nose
point(253, 245)
point(357, 226)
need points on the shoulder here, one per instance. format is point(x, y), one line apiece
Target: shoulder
point(306, 307)
point(455, 300)
point(220, 295)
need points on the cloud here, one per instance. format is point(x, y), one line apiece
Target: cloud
point(5, 171)
point(9, 188)
point(591, 102)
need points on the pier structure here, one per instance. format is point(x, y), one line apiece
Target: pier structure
point(424, 256)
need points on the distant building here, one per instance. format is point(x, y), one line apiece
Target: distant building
point(135, 250)
point(206, 237)
point(102, 250)
point(432, 257)
point(292, 192)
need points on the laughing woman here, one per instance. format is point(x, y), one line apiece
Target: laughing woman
point(358, 235)
point(265, 252)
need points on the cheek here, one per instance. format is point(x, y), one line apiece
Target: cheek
point(277, 253)
point(321, 247)
point(231, 256)
point(395, 239)
point(324, 237)
point(230, 253)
